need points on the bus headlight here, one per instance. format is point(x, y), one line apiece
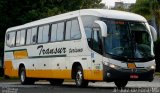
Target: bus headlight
point(112, 66)
point(153, 67)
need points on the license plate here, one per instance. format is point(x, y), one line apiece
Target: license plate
point(134, 76)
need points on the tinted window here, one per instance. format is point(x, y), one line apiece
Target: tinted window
point(97, 42)
point(75, 30)
point(10, 38)
point(54, 32)
point(68, 30)
point(88, 34)
point(60, 31)
point(43, 34)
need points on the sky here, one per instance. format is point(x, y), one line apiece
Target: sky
point(112, 2)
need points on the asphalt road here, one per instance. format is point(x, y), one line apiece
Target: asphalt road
point(69, 87)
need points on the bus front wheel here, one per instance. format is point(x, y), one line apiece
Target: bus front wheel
point(24, 80)
point(121, 84)
point(79, 78)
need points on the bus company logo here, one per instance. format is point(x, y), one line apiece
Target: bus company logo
point(43, 51)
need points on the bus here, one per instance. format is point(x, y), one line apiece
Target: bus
point(86, 45)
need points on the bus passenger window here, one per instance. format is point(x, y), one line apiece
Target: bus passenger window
point(43, 33)
point(46, 33)
point(75, 30)
point(31, 36)
point(68, 30)
point(18, 38)
point(34, 35)
point(11, 39)
point(60, 31)
point(40, 33)
point(54, 32)
point(28, 40)
point(22, 38)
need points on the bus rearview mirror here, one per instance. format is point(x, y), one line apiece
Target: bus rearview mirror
point(154, 33)
point(103, 27)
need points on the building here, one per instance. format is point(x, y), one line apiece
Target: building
point(122, 5)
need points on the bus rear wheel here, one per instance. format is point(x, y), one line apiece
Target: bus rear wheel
point(79, 78)
point(56, 82)
point(121, 84)
point(24, 80)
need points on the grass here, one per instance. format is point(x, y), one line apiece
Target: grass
point(157, 74)
point(1, 78)
point(8, 79)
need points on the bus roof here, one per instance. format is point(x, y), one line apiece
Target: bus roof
point(113, 14)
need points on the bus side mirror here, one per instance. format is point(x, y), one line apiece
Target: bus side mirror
point(154, 33)
point(102, 26)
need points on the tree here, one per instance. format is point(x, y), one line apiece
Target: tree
point(142, 7)
point(150, 9)
point(121, 8)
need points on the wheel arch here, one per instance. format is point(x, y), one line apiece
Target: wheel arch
point(74, 67)
point(21, 65)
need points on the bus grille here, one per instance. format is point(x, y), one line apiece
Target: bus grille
point(137, 70)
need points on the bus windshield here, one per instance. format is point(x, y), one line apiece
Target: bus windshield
point(128, 39)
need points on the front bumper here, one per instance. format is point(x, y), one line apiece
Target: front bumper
point(143, 74)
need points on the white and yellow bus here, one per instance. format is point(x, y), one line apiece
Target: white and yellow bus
point(87, 45)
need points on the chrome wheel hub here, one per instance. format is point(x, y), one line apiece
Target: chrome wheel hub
point(79, 77)
point(22, 76)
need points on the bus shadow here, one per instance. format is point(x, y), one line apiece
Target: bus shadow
point(89, 87)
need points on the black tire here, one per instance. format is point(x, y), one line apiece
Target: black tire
point(79, 78)
point(56, 82)
point(121, 84)
point(24, 80)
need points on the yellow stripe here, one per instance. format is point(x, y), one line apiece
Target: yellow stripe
point(9, 70)
point(62, 74)
point(93, 75)
point(20, 54)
